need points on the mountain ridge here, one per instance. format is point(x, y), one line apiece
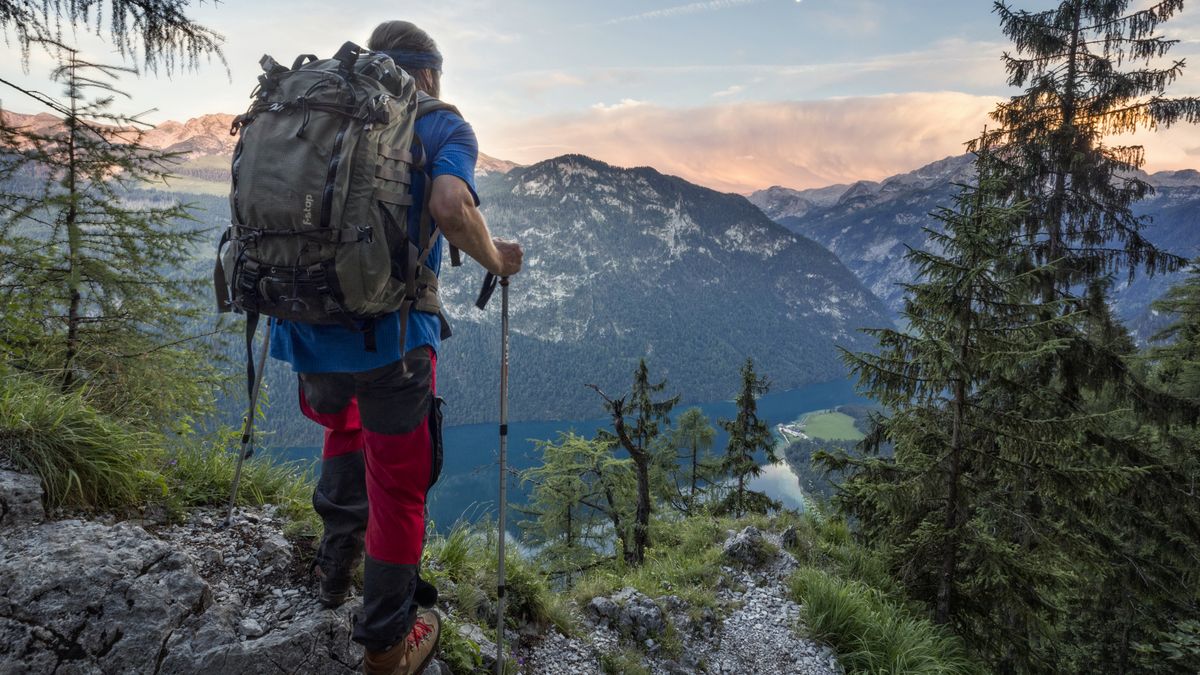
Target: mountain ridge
point(871, 225)
point(203, 137)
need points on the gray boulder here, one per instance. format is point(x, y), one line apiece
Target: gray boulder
point(274, 551)
point(316, 642)
point(631, 613)
point(81, 597)
point(604, 609)
point(747, 548)
point(20, 500)
point(487, 648)
point(84, 597)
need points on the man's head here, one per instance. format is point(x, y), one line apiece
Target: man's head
point(411, 44)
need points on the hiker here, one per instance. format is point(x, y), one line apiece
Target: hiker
point(382, 449)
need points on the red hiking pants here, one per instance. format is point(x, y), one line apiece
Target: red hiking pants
point(382, 453)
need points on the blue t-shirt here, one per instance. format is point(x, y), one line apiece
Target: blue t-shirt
point(451, 149)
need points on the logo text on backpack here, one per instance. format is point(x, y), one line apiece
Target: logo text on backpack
point(308, 203)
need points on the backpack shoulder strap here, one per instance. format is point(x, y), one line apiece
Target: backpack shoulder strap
point(427, 104)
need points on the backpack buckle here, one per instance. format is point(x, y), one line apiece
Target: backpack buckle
point(366, 233)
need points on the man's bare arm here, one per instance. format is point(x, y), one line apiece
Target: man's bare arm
point(453, 209)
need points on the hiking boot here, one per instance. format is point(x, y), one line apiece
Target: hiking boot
point(413, 654)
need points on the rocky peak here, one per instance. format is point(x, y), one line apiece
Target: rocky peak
point(489, 165)
point(1186, 178)
point(199, 136)
point(780, 202)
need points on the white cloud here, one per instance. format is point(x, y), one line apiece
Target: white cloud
point(623, 104)
point(729, 91)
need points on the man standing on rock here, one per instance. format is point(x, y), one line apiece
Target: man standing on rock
point(382, 449)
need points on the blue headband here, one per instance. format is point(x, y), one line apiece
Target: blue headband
point(410, 60)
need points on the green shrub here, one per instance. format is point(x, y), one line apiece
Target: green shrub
point(872, 634)
point(460, 653)
point(85, 459)
point(466, 556)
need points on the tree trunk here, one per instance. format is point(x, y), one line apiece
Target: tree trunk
point(641, 523)
point(692, 499)
point(570, 537)
point(740, 503)
point(74, 243)
point(1064, 149)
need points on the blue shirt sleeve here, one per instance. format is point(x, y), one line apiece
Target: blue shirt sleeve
point(458, 154)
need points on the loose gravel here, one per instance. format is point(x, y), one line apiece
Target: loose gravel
point(757, 630)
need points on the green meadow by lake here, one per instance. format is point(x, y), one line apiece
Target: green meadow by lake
point(469, 485)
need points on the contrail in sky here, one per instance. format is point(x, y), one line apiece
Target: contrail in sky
point(680, 10)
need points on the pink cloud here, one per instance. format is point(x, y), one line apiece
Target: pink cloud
point(749, 146)
point(797, 144)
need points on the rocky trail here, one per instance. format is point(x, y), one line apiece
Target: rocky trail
point(95, 596)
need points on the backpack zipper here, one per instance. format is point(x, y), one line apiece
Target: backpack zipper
point(331, 177)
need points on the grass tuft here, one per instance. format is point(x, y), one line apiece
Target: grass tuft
point(90, 461)
point(623, 661)
point(202, 475)
point(684, 561)
point(85, 459)
point(872, 634)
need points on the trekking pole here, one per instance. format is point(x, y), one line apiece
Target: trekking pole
point(500, 589)
point(248, 427)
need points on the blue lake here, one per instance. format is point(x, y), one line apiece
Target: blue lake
point(469, 484)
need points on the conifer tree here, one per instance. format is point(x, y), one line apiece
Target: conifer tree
point(1137, 612)
point(950, 506)
point(96, 272)
point(1088, 70)
point(1176, 354)
point(579, 503)
point(747, 435)
point(690, 443)
point(637, 436)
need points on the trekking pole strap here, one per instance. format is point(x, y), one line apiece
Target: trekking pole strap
point(485, 293)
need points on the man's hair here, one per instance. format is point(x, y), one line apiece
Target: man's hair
point(406, 36)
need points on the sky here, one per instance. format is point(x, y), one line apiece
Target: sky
point(737, 95)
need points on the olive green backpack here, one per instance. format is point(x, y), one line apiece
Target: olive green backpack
point(320, 196)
